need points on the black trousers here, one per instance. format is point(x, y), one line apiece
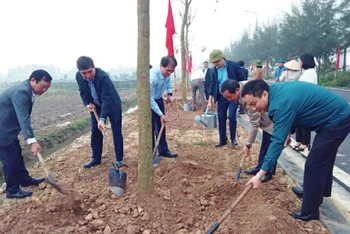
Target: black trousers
point(319, 165)
point(15, 172)
point(222, 107)
point(206, 89)
point(265, 143)
point(303, 135)
point(97, 137)
point(156, 125)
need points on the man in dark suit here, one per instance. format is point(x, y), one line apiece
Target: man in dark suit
point(16, 106)
point(245, 74)
point(207, 77)
point(224, 69)
point(243, 70)
point(98, 92)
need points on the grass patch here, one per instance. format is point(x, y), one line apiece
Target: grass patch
point(201, 143)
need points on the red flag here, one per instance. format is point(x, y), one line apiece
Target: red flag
point(338, 59)
point(252, 67)
point(190, 64)
point(170, 31)
point(267, 65)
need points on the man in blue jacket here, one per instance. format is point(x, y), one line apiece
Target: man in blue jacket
point(98, 92)
point(279, 69)
point(224, 69)
point(16, 106)
point(291, 104)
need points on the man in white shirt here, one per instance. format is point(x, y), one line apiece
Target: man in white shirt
point(197, 82)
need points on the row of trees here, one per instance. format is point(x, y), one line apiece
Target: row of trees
point(316, 26)
point(22, 72)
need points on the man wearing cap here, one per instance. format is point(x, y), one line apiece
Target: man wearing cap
point(223, 70)
point(259, 72)
point(279, 69)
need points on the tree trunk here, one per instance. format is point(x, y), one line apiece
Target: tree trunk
point(344, 62)
point(145, 165)
point(182, 38)
point(318, 70)
point(188, 52)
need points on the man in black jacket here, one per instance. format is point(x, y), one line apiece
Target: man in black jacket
point(98, 92)
point(16, 106)
point(224, 69)
point(207, 77)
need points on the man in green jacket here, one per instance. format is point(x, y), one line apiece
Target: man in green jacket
point(291, 104)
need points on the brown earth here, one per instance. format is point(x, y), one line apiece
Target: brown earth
point(191, 192)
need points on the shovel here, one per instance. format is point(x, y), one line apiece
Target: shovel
point(50, 179)
point(239, 170)
point(216, 225)
point(116, 177)
point(157, 159)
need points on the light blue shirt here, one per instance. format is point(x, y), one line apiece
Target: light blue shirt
point(158, 84)
point(94, 93)
point(222, 74)
point(279, 71)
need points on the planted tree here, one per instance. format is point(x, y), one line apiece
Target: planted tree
point(145, 165)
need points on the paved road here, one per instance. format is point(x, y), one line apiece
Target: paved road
point(343, 158)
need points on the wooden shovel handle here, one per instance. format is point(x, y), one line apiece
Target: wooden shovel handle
point(233, 205)
point(242, 161)
point(96, 115)
point(43, 164)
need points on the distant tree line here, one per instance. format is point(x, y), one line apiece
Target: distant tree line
point(22, 72)
point(315, 26)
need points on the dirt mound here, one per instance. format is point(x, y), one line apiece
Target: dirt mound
point(191, 192)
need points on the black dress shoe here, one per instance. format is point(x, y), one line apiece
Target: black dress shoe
point(33, 182)
point(252, 171)
point(234, 143)
point(221, 144)
point(19, 194)
point(266, 178)
point(92, 163)
point(168, 154)
point(305, 217)
point(298, 191)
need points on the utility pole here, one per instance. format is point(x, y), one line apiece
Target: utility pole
point(256, 18)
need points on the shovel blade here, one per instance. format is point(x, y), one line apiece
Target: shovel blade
point(238, 175)
point(117, 181)
point(156, 160)
point(51, 181)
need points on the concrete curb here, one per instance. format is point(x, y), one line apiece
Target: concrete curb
point(335, 211)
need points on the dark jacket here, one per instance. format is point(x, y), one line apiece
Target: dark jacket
point(106, 93)
point(16, 106)
point(245, 73)
point(208, 77)
point(233, 72)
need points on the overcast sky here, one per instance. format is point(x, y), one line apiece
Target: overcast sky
point(53, 32)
